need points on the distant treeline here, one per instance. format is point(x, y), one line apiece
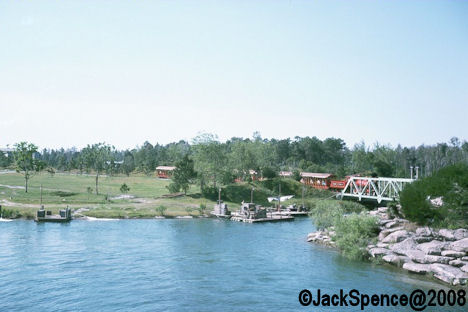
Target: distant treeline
point(214, 159)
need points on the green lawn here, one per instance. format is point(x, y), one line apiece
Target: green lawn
point(64, 189)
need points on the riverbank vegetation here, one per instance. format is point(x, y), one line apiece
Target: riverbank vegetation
point(440, 200)
point(352, 229)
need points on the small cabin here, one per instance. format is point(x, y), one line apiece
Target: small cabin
point(317, 180)
point(165, 172)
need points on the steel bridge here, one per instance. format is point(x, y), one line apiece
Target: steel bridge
point(374, 188)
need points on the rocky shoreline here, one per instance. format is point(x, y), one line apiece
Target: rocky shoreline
point(422, 250)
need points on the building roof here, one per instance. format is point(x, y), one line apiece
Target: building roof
point(285, 173)
point(251, 171)
point(166, 168)
point(315, 175)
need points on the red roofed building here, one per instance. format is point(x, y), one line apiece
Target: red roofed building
point(317, 180)
point(165, 172)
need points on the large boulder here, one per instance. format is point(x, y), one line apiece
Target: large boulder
point(417, 267)
point(457, 263)
point(433, 247)
point(445, 234)
point(464, 268)
point(416, 255)
point(403, 247)
point(437, 259)
point(453, 253)
point(449, 274)
point(395, 259)
point(424, 231)
point(459, 245)
point(374, 252)
point(386, 232)
point(460, 234)
point(423, 239)
point(396, 237)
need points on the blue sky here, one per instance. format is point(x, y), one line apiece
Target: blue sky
point(78, 72)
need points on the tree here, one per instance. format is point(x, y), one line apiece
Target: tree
point(25, 161)
point(124, 188)
point(128, 163)
point(96, 157)
point(161, 209)
point(184, 173)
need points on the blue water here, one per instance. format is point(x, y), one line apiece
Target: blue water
point(178, 265)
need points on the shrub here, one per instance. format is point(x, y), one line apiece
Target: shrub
point(353, 233)
point(450, 183)
point(124, 188)
point(173, 188)
point(161, 210)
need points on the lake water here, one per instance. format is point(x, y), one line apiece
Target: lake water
point(178, 265)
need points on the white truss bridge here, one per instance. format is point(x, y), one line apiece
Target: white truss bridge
point(374, 188)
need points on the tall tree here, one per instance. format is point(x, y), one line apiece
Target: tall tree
point(25, 161)
point(184, 174)
point(96, 157)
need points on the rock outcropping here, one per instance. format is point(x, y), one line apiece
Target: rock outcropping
point(422, 250)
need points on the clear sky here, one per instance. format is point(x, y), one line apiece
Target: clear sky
point(78, 72)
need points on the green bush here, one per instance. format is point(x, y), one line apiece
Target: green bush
point(450, 183)
point(353, 233)
point(353, 230)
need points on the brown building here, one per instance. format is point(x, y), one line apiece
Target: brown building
point(317, 180)
point(165, 172)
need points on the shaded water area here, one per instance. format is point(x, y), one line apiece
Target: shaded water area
point(179, 265)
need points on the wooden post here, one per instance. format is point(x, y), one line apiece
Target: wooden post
point(41, 196)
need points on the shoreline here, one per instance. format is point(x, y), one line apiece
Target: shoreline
point(440, 254)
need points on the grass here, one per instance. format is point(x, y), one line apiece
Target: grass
point(61, 190)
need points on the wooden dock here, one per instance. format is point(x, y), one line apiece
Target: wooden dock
point(46, 216)
point(292, 213)
point(272, 218)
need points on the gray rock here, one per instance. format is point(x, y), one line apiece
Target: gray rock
point(402, 247)
point(382, 245)
point(446, 234)
point(437, 259)
point(460, 234)
point(433, 247)
point(459, 245)
point(395, 259)
point(417, 268)
point(416, 255)
point(457, 263)
point(386, 232)
point(464, 268)
point(391, 224)
point(391, 258)
point(449, 274)
point(382, 209)
point(379, 252)
point(453, 253)
point(464, 258)
point(423, 239)
point(424, 231)
point(396, 237)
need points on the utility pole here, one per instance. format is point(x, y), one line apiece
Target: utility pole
point(41, 196)
point(251, 195)
point(279, 197)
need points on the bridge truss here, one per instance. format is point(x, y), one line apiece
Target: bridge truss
point(374, 188)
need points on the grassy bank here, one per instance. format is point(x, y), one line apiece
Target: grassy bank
point(61, 190)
